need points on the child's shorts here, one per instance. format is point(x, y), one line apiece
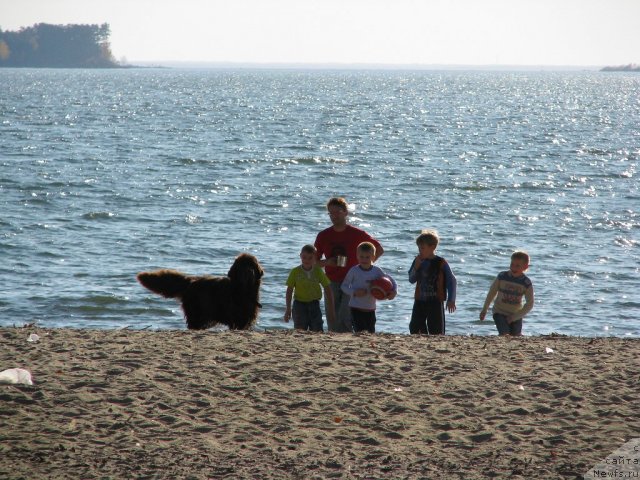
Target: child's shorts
point(505, 328)
point(307, 315)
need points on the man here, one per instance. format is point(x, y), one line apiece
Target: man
point(341, 240)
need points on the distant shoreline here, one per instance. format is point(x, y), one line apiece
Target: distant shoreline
point(359, 66)
point(80, 67)
point(345, 67)
point(632, 67)
point(57, 46)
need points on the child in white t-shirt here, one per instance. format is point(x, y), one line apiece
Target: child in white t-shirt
point(357, 285)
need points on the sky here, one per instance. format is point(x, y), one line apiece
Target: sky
point(394, 32)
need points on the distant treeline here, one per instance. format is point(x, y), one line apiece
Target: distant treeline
point(57, 46)
point(632, 67)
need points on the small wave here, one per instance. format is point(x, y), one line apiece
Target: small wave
point(191, 161)
point(35, 199)
point(48, 254)
point(193, 219)
point(88, 309)
point(626, 242)
point(628, 305)
point(137, 311)
point(595, 151)
point(98, 215)
point(105, 306)
point(474, 188)
point(95, 301)
point(314, 160)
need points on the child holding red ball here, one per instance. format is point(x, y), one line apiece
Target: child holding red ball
point(357, 284)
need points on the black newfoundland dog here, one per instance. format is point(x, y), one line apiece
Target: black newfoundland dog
point(207, 300)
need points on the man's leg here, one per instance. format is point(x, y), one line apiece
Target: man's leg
point(343, 312)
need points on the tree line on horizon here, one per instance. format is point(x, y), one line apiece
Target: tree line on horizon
point(57, 46)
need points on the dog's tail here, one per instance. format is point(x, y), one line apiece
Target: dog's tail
point(168, 283)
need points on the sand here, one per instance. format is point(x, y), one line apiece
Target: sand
point(284, 404)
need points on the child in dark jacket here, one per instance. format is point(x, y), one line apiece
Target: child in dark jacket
point(435, 284)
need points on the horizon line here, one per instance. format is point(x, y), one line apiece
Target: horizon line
point(355, 65)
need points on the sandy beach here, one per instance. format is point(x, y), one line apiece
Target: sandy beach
point(284, 404)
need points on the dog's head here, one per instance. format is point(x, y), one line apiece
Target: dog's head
point(246, 271)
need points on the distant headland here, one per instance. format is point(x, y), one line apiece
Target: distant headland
point(632, 67)
point(57, 46)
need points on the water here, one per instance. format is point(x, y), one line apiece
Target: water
point(107, 173)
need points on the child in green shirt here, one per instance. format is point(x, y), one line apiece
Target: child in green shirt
point(304, 287)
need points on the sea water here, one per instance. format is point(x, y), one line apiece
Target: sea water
point(105, 173)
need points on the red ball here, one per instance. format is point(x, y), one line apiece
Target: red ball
point(381, 287)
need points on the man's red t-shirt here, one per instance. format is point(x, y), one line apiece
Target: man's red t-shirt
point(331, 243)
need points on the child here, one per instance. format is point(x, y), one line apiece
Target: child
point(305, 280)
point(435, 283)
point(509, 287)
point(356, 284)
